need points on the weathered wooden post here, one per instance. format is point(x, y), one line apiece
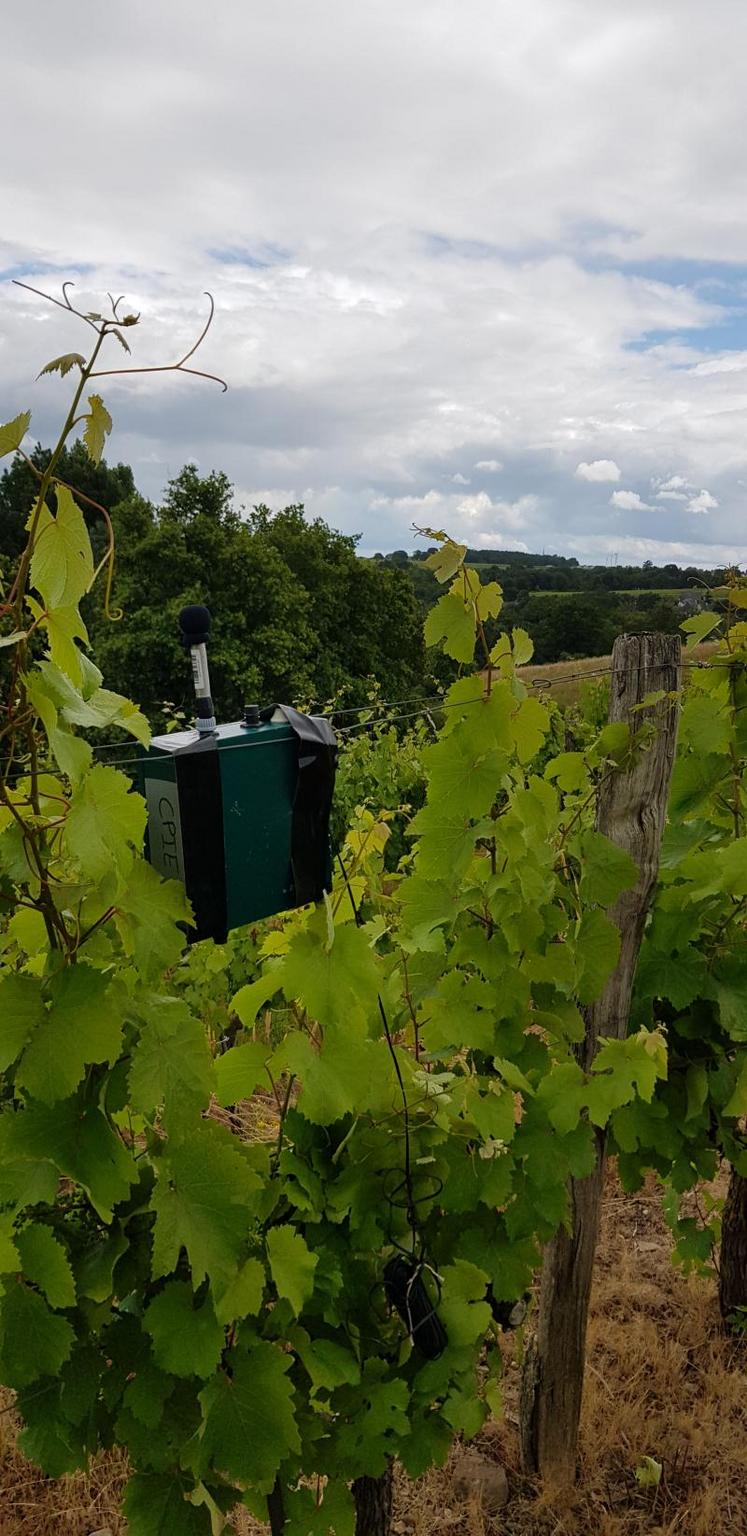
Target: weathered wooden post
point(631, 811)
point(732, 1280)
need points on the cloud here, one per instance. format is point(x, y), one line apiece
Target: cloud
point(458, 287)
point(629, 501)
point(459, 480)
point(672, 483)
point(500, 514)
point(601, 471)
point(703, 502)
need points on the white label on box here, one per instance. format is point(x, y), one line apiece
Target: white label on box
point(164, 828)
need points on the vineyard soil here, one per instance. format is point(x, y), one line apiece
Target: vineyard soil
point(662, 1381)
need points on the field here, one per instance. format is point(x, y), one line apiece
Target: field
point(566, 678)
point(662, 1381)
point(673, 592)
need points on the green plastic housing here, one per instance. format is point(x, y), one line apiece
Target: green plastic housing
point(220, 820)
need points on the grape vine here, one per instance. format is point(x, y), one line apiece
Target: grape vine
point(222, 1305)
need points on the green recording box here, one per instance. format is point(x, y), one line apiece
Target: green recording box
point(240, 815)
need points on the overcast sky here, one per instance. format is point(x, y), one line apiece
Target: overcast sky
point(479, 264)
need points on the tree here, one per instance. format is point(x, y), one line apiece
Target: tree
point(298, 617)
point(102, 483)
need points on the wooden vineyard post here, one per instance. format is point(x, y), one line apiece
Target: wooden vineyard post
point(732, 1286)
point(631, 811)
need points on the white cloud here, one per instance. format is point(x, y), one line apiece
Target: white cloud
point(459, 480)
point(703, 502)
point(600, 471)
point(629, 550)
point(505, 514)
point(670, 484)
point(459, 276)
point(629, 501)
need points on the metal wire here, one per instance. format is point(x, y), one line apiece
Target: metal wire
point(436, 703)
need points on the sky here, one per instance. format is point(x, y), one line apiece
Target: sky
point(478, 265)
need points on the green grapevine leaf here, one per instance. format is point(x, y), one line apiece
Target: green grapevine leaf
point(328, 1363)
point(250, 1426)
point(171, 1066)
point(334, 1516)
point(292, 1266)
point(239, 1071)
point(447, 560)
point(346, 1074)
point(530, 726)
point(62, 560)
point(598, 951)
point(463, 1309)
point(681, 977)
point(91, 709)
point(366, 1442)
point(451, 621)
point(63, 365)
point(98, 425)
point(64, 626)
point(72, 754)
point(737, 1105)
point(34, 1341)
point(10, 1261)
point(45, 1262)
point(187, 1340)
point(79, 1141)
point(105, 824)
point(337, 983)
point(148, 911)
point(693, 782)
point(203, 1202)
point(83, 1025)
point(562, 1092)
point(699, 627)
point(155, 1505)
point(249, 999)
point(606, 870)
point(13, 433)
point(242, 1297)
point(21, 1012)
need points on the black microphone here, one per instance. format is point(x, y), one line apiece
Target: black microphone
point(194, 625)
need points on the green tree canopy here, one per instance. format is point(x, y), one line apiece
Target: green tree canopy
point(298, 617)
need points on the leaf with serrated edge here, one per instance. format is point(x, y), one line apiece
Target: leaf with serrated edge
point(155, 1504)
point(203, 1200)
point(98, 425)
point(292, 1266)
point(62, 560)
point(83, 1026)
point(45, 1262)
point(13, 433)
point(187, 1340)
point(249, 1426)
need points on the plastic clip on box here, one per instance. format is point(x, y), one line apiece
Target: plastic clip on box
point(240, 813)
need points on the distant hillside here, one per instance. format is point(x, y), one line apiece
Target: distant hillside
point(572, 610)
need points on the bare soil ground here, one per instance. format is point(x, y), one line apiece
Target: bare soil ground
point(662, 1381)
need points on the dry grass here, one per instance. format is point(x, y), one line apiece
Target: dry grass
point(662, 1381)
point(577, 672)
